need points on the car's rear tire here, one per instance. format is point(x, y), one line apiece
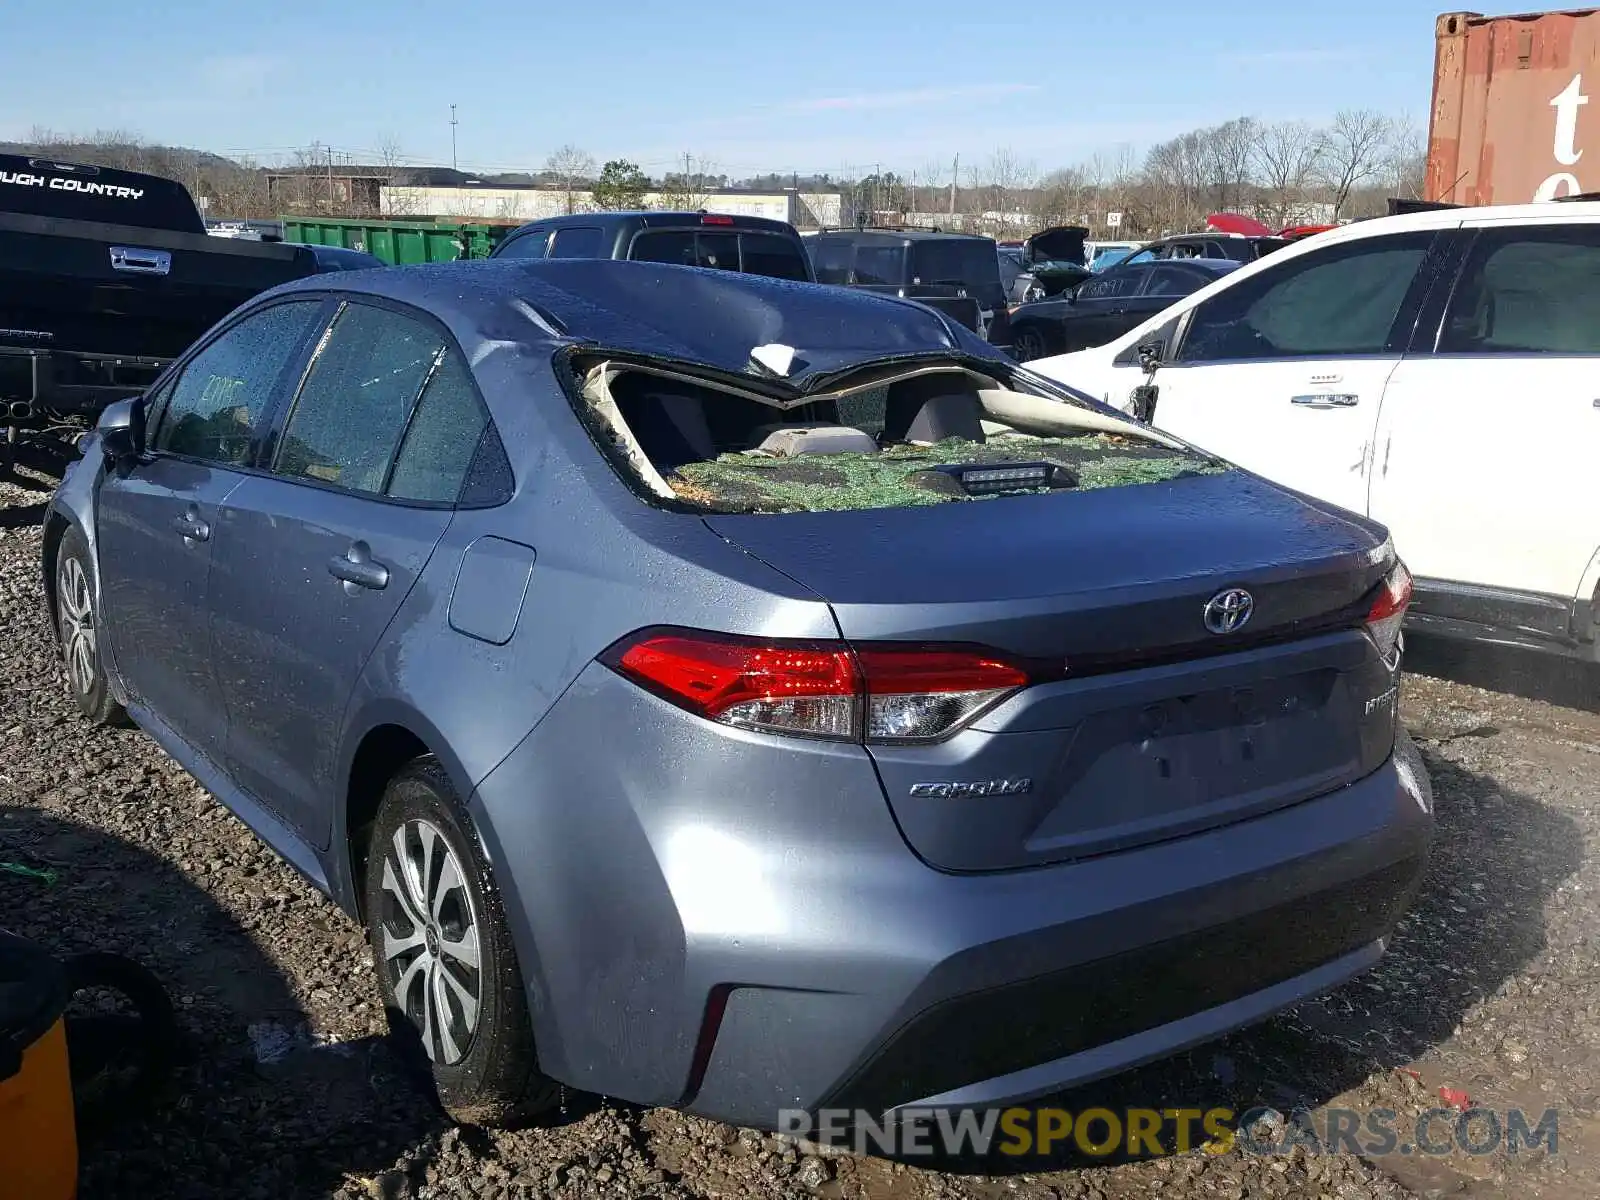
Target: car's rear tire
point(1029, 343)
point(78, 628)
point(433, 911)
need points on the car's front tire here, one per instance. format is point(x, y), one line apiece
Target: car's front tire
point(443, 952)
point(78, 628)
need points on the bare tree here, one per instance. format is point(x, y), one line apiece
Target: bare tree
point(998, 188)
point(1287, 154)
point(1174, 179)
point(1227, 152)
point(1064, 197)
point(571, 167)
point(1408, 161)
point(688, 190)
point(1355, 150)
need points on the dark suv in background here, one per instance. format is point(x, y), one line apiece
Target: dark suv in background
point(751, 245)
point(957, 274)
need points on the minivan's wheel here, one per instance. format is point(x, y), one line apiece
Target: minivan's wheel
point(77, 621)
point(444, 957)
point(1029, 344)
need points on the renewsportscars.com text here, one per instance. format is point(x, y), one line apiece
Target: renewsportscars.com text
point(1153, 1132)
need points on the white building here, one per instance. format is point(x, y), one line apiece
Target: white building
point(803, 209)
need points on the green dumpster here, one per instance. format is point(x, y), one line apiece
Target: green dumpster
point(398, 242)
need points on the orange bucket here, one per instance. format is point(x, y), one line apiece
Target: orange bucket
point(38, 1134)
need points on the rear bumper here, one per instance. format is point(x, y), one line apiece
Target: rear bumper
point(741, 930)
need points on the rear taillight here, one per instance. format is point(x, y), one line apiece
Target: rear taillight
point(1388, 611)
point(877, 692)
point(715, 219)
point(917, 693)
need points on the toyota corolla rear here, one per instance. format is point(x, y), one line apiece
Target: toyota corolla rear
point(1095, 756)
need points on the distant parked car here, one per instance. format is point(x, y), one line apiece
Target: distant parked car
point(945, 751)
point(1104, 255)
point(955, 273)
point(1054, 261)
point(1108, 305)
point(337, 258)
point(749, 245)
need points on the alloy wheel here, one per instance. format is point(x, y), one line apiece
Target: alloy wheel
point(432, 951)
point(75, 604)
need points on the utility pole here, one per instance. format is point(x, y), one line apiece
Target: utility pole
point(454, 166)
point(330, 179)
point(955, 174)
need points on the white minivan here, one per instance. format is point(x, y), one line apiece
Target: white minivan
point(1437, 371)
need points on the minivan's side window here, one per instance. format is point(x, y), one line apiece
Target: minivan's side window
point(357, 398)
point(1527, 290)
point(525, 245)
point(1342, 300)
point(212, 411)
point(580, 241)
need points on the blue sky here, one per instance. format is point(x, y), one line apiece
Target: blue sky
point(818, 86)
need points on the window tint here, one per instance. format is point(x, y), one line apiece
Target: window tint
point(1340, 301)
point(881, 264)
point(830, 258)
point(665, 246)
point(1528, 291)
point(443, 437)
point(1139, 256)
point(528, 245)
point(582, 241)
point(213, 410)
point(769, 254)
point(1172, 281)
point(719, 251)
point(357, 398)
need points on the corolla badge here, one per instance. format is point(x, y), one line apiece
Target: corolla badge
point(978, 787)
point(1227, 611)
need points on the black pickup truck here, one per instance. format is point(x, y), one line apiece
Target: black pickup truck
point(105, 277)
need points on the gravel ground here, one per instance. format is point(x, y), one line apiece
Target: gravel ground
point(288, 1087)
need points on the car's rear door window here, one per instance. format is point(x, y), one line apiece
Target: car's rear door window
point(211, 413)
point(578, 241)
point(1527, 290)
point(1171, 281)
point(357, 399)
point(444, 436)
point(1340, 301)
point(718, 251)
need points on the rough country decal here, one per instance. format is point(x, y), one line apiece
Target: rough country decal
point(60, 183)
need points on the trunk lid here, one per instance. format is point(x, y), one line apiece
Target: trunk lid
point(1155, 727)
point(1060, 243)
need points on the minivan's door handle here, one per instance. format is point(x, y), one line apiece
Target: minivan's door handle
point(191, 528)
point(1327, 400)
point(356, 569)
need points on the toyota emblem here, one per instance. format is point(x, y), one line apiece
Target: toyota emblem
point(1227, 611)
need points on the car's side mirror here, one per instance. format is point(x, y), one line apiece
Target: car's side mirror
point(121, 429)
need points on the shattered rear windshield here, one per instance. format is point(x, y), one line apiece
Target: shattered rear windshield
point(937, 436)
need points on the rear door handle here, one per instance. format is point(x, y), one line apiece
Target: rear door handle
point(191, 528)
point(1327, 400)
point(356, 569)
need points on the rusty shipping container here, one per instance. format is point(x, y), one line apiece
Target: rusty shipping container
point(1511, 119)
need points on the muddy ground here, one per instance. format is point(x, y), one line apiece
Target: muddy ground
point(288, 1087)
